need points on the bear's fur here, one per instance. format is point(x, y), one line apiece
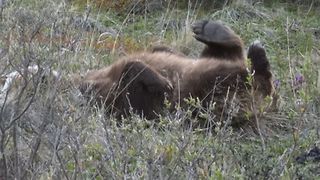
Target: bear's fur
point(140, 83)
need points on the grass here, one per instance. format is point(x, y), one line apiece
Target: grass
point(47, 133)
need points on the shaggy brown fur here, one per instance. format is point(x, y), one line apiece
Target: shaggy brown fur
point(141, 82)
point(162, 48)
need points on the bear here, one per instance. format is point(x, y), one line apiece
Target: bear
point(140, 83)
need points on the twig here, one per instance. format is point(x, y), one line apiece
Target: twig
point(3, 161)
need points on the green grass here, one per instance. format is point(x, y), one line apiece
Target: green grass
point(55, 136)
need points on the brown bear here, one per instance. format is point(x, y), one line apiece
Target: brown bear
point(140, 83)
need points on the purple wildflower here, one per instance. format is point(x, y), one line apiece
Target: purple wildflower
point(298, 80)
point(277, 83)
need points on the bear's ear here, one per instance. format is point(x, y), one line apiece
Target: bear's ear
point(221, 41)
point(143, 87)
point(260, 67)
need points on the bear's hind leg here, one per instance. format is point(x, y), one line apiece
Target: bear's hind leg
point(221, 41)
